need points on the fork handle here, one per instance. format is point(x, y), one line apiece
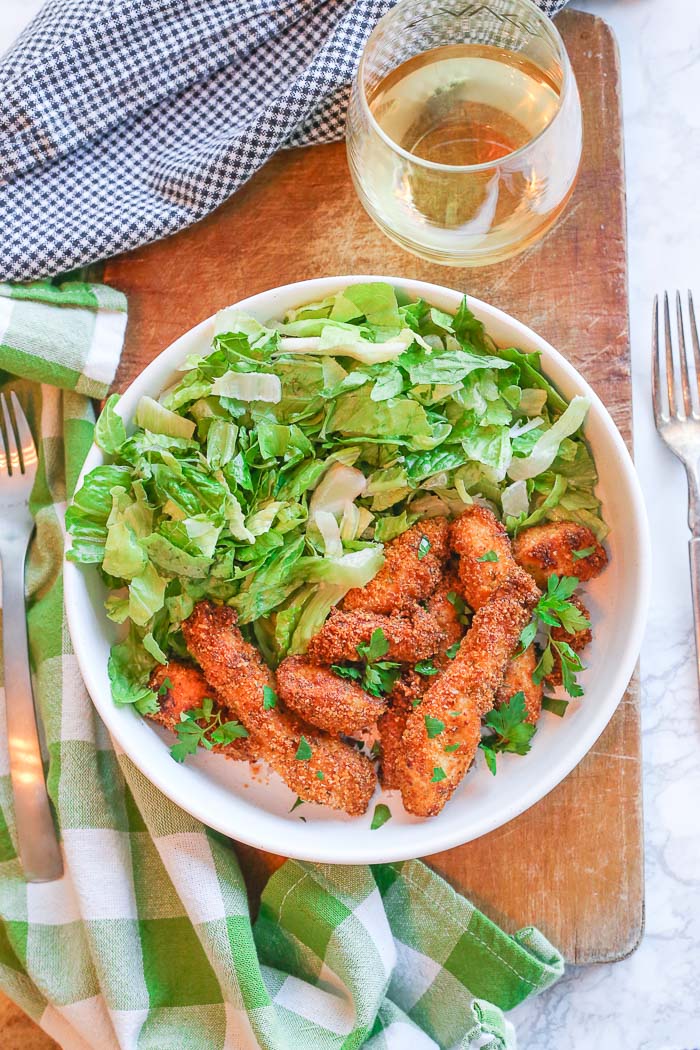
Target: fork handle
point(694, 546)
point(36, 836)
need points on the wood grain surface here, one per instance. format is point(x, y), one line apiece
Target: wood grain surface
point(573, 863)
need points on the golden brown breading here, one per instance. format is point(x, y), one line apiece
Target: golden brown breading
point(187, 689)
point(409, 639)
point(405, 577)
point(578, 641)
point(409, 687)
point(335, 775)
point(459, 697)
point(443, 611)
point(324, 699)
point(549, 549)
point(475, 533)
point(518, 679)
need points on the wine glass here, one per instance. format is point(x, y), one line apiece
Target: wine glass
point(464, 128)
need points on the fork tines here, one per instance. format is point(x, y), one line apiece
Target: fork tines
point(669, 365)
point(17, 449)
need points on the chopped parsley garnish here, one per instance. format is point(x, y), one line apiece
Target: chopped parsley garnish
point(557, 707)
point(449, 749)
point(269, 698)
point(554, 609)
point(192, 734)
point(511, 731)
point(488, 556)
point(433, 726)
point(377, 676)
point(298, 802)
point(438, 775)
point(166, 684)
point(320, 775)
point(452, 651)
point(417, 701)
point(423, 547)
point(380, 816)
point(585, 552)
point(304, 751)
point(426, 667)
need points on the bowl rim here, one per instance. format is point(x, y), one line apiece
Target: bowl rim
point(429, 835)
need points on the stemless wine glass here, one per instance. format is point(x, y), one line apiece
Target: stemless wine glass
point(464, 128)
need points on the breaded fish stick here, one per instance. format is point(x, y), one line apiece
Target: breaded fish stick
point(409, 639)
point(549, 549)
point(324, 699)
point(409, 688)
point(410, 573)
point(477, 535)
point(518, 679)
point(451, 710)
point(186, 689)
point(443, 610)
point(335, 774)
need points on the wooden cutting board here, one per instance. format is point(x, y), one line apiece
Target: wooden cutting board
point(573, 863)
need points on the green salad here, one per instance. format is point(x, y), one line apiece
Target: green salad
point(271, 472)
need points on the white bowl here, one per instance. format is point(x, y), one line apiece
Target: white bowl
point(255, 807)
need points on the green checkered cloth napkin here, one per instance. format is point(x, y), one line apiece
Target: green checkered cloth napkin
point(147, 941)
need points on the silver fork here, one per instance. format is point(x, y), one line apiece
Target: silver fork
point(36, 836)
point(678, 419)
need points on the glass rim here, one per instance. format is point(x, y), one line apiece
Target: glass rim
point(489, 165)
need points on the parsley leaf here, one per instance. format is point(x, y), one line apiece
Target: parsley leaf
point(583, 553)
point(377, 647)
point(449, 749)
point(459, 606)
point(511, 731)
point(304, 751)
point(490, 756)
point(433, 726)
point(423, 547)
point(229, 732)
point(438, 775)
point(452, 651)
point(426, 667)
point(488, 556)
point(378, 676)
point(320, 775)
point(554, 609)
point(380, 816)
point(165, 685)
point(201, 727)
point(298, 802)
point(346, 671)
point(557, 707)
point(269, 698)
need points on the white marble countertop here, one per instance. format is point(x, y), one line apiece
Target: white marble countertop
point(650, 1001)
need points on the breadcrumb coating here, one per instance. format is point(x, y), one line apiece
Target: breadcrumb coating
point(408, 574)
point(455, 703)
point(518, 679)
point(324, 699)
point(409, 687)
point(335, 775)
point(188, 688)
point(474, 534)
point(546, 550)
point(409, 639)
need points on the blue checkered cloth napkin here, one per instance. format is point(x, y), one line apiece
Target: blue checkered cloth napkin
point(123, 121)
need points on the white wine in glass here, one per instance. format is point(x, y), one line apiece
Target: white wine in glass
point(467, 151)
